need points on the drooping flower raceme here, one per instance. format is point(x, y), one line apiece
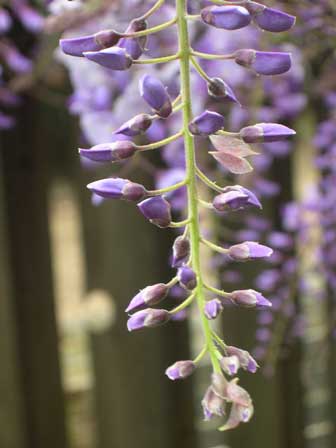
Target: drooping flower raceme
point(119, 51)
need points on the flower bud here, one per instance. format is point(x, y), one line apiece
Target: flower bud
point(246, 361)
point(78, 45)
point(207, 123)
point(249, 250)
point(110, 152)
point(136, 125)
point(155, 94)
point(217, 88)
point(212, 404)
point(157, 210)
point(270, 19)
point(230, 364)
point(180, 370)
point(117, 188)
point(135, 46)
point(151, 295)
point(187, 277)
point(235, 198)
point(238, 414)
point(265, 132)
point(181, 251)
point(249, 298)
point(149, 317)
point(264, 62)
point(213, 308)
point(237, 394)
point(226, 17)
point(114, 58)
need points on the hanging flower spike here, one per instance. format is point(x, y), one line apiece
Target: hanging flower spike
point(207, 123)
point(231, 151)
point(110, 152)
point(249, 298)
point(180, 370)
point(149, 317)
point(265, 132)
point(117, 188)
point(226, 17)
point(76, 46)
point(136, 125)
point(235, 198)
point(270, 19)
point(249, 250)
point(149, 296)
point(213, 308)
point(155, 94)
point(264, 62)
point(157, 210)
point(114, 58)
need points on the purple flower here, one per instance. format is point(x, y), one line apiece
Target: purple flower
point(78, 45)
point(149, 317)
point(134, 46)
point(270, 19)
point(249, 250)
point(217, 88)
point(207, 123)
point(180, 370)
point(265, 132)
point(157, 210)
point(226, 17)
point(155, 94)
point(230, 364)
point(235, 198)
point(5, 21)
point(114, 58)
point(151, 295)
point(246, 361)
point(264, 62)
point(187, 277)
point(110, 152)
point(181, 251)
point(213, 308)
point(249, 298)
point(117, 188)
point(212, 404)
point(136, 125)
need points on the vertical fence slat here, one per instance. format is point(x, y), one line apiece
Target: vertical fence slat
point(26, 165)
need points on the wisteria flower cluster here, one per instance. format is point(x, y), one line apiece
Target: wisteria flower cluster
point(14, 61)
point(119, 51)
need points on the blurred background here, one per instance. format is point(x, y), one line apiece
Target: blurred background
point(71, 375)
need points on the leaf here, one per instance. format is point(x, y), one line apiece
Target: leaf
point(232, 145)
point(236, 165)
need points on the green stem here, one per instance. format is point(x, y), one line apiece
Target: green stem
point(160, 60)
point(211, 56)
point(188, 301)
point(194, 228)
point(153, 30)
point(160, 143)
point(167, 189)
point(214, 247)
point(207, 181)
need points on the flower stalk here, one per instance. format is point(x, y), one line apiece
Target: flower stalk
point(191, 174)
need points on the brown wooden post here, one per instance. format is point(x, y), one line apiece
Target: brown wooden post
point(26, 169)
